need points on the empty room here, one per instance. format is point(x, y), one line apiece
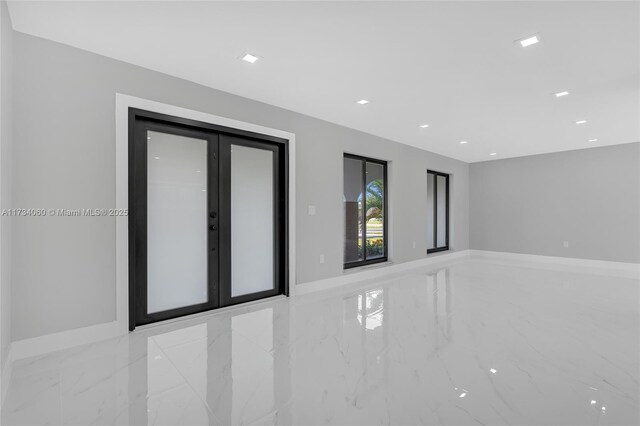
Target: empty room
point(319, 212)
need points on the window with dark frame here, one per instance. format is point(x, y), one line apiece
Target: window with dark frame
point(437, 211)
point(365, 210)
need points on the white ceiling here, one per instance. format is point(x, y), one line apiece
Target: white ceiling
point(452, 65)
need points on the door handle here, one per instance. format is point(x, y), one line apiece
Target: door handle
point(212, 227)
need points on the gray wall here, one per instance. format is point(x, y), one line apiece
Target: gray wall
point(64, 268)
point(6, 122)
point(590, 198)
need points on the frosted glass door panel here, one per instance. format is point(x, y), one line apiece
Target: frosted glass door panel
point(176, 221)
point(441, 181)
point(430, 210)
point(252, 232)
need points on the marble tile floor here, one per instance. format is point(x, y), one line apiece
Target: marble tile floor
point(474, 341)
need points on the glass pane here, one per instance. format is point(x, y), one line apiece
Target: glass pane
point(252, 232)
point(176, 221)
point(353, 210)
point(442, 211)
point(430, 207)
point(375, 210)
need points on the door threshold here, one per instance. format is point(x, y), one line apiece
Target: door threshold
point(211, 313)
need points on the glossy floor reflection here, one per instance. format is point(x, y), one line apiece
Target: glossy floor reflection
point(473, 342)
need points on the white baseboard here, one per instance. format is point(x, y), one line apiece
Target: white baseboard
point(65, 339)
point(376, 271)
point(379, 271)
point(633, 268)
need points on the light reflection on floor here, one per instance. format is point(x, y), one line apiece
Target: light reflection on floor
point(472, 342)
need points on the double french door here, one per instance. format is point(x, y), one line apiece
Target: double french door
point(207, 225)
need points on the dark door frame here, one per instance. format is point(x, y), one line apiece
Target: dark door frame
point(141, 120)
point(138, 224)
point(225, 217)
point(365, 261)
point(435, 211)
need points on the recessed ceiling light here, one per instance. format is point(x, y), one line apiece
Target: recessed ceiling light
point(362, 102)
point(593, 140)
point(423, 126)
point(494, 153)
point(561, 94)
point(529, 41)
point(250, 58)
point(156, 158)
point(581, 121)
point(463, 142)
